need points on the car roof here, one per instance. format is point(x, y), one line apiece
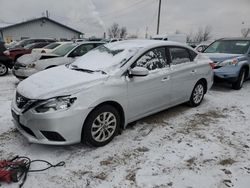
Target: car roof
point(235, 38)
point(142, 43)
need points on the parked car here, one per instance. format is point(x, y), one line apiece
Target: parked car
point(231, 57)
point(174, 37)
point(93, 98)
point(202, 46)
point(66, 53)
point(111, 40)
point(5, 61)
point(15, 53)
point(25, 42)
point(49, 48)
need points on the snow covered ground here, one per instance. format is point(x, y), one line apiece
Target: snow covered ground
point(183, 147)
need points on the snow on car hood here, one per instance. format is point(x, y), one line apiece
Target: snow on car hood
point(219, 57)
point(58, 81)
point(30, 58)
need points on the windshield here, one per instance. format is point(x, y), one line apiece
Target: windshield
point(64, 49)
point(51, 46)
point(229, 47)
point(104, 58)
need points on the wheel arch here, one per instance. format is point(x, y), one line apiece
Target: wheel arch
point(114, 104)
point(204, 81)
point(247, 69)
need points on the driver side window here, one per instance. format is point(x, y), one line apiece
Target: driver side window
point(81, 50)
point(153, 59)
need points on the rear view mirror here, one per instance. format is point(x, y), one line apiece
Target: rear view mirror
point(138, 71)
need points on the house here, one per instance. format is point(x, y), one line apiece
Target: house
point(38, 28)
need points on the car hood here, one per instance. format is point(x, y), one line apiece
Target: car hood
point(58, 81)
point(219, 57)
point(30, 58)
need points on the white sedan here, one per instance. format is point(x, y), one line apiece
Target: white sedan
point(94, 98)
point(66, 53)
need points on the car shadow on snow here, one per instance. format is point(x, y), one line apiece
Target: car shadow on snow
point(225, 86)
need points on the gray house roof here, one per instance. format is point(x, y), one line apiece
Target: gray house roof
point(40, 19)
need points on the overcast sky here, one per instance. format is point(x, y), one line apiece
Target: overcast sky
point(93, 17)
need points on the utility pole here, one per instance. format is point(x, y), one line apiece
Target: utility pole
point(47, 13)
point(159, 17)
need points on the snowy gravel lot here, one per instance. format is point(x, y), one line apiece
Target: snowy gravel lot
point(183, 147)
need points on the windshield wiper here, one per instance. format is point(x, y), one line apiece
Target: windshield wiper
point(74, 67)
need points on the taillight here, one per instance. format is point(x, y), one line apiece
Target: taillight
point(6, 52)
point(43, 51)
point(212, 64)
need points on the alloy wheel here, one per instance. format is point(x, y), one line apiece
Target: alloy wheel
point(198, 93)
point(3, 69)
point(103, 126)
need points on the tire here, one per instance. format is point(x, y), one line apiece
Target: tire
point(98, 132)
point(197, 94)
point(240, 80)
point(3, 69)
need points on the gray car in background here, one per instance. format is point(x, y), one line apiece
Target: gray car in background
point(94, 98)
point(231, 60)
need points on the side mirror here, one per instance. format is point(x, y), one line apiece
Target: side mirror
point(138, 71)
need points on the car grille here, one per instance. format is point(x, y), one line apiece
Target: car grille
point(21, 101)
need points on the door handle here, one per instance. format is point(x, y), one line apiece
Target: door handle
point(193, 71)
point(165, 79)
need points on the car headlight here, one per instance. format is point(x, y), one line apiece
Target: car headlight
point(231, 62)
point(55, 104)
point(31, 65)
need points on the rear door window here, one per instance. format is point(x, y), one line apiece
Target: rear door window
point(179, 55)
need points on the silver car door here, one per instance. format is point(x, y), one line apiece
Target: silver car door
point(183, 74)
point(149, 93)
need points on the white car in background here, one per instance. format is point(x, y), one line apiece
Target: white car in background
point(66, 53)
point(95, 97)
point(49, 48)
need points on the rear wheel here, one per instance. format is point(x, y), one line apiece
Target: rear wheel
point(101, 126)
point(3, 69)
point(197, 94)
point(240, 80)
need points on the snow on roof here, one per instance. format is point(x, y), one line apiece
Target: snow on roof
point(128, 44)
point(4, 25)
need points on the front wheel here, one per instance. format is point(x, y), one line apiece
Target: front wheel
point(101, 126)
point(197, 94)
point(3, 69)
point(241, 78)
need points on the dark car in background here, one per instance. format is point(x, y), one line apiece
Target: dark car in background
point(15, 53)
point(25, 42)
point(5, 61)
point(231, 60)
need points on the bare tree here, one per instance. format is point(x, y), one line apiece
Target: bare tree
point(245, 32)
point(203, 34)
point(114, 31)
point(123, 32)
point(207, 33)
